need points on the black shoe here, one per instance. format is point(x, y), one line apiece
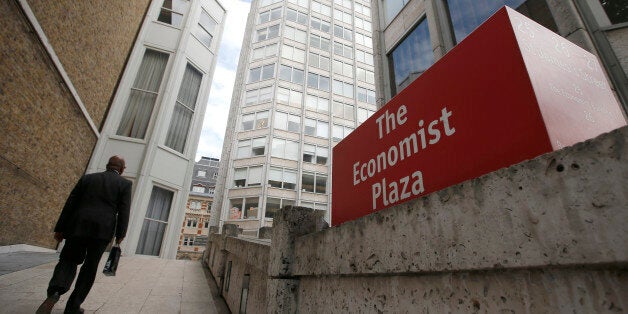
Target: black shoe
point(48, 304)
point(69, 311)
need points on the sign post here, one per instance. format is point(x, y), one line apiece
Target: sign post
point(512, 90)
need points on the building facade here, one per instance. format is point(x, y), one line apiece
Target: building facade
point(410, 35)
point(156, 116)
point(305, 80)
point(55, 91)
point(195, 228)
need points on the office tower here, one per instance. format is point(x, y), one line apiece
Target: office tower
point(156, 116)
point(61, 61)
point(414, 34)
point(195, 228)
point(305, 80)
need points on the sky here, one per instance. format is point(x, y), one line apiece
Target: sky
point(212, 134)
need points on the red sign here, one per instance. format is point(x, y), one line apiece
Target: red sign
point(512, 90)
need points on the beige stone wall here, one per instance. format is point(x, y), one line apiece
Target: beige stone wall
point(45, 141)
point(92, 39)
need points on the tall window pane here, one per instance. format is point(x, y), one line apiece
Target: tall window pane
point(139, 107)
point(466, 15)
point(155, 222)
point(184, 109)
point(413, 56)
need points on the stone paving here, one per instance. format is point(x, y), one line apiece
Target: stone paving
point(142, 285)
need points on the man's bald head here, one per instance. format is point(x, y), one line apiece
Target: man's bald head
point(116, 163)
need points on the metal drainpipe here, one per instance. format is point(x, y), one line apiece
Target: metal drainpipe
point(606, 54)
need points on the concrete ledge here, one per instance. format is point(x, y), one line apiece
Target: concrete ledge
point(563, 208)
point(253, 253)
point(24, 248)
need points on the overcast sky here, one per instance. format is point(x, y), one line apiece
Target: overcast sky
point(210, 143)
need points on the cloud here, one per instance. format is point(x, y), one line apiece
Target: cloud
point(217, 112)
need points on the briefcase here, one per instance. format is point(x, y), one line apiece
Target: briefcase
point(112, 261)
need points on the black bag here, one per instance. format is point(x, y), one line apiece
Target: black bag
point(112, 261)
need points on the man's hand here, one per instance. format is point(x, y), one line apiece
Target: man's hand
point(119, 240)
point(59, 236)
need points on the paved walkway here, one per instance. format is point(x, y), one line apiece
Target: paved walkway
point(142, 285)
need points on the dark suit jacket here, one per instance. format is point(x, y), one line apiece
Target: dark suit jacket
point(98, 205)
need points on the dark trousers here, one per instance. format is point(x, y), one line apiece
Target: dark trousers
point(77, 251)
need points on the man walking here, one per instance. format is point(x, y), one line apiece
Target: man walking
point(97, 207)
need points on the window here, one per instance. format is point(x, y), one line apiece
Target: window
point(316, 103)
point(291, 74)
point(314, 182)
point(365, 75)
point(616, 12)
point(201, 173)
point(412, 56)
point(195, 205)
point(342, 16)
point(282, 178)
point(466, 15)
point(315, 154)
point(206, 28)
point(342, 32)
point(364, 57)
point(191, 222)
point(303, 3)
point(141, 102)
point(343, 68)
point(275, 204)
point(248, 176)
point(293, 53)
point(363, 9)
point(366, 95)
point(257, 120)
point(267, 32)
point(316, 128)
point(265, 52)
point(286, 149)
point(215, 175)
point(317, 206)
point(363, 24)
point(258, 96)
point(339, 132)
point(206, 224)
point(155, 222)
point(344, 50)
point(184, 109)
point(261, 73)
point(264, 3)
point(188, 240)
point(364, 114)
point(363, 40)
point(251, 148)
point(319, 24)
point(319, 61)
point(172, 12)
point(321, 8)
point(294, 34)
point(269, 15)
point(288, 96)
point(211, 191)
point(319, 42)
point(343, 88)
point(318, 81)
point(243, 208)
point(296, 16)
point(344, 3)
point(343, 110)
point(288, 122)
point(198, 189)
point(392, 7)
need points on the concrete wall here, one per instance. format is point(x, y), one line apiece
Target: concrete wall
point(546, 235)
point(45, 140)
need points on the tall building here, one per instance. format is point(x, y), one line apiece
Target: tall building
point(195, 228)
point(305, 80)
point(156, 116)
point(61, 62)
point(410, 35)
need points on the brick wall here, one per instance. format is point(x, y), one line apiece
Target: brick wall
point(45, 141)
